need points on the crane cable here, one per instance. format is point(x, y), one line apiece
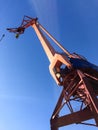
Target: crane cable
point(2, 37)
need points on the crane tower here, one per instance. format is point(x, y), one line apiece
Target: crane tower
point(77, 76)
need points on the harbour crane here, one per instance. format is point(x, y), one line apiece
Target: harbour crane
point(74, 73)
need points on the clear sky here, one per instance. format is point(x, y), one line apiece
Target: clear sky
point(28, 94)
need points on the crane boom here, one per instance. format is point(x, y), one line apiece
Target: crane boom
point(56, 59)
point(49, 50)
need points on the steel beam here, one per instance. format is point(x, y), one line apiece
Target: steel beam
point(75, 117)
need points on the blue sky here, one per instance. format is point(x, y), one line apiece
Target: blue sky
point(28, 94)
